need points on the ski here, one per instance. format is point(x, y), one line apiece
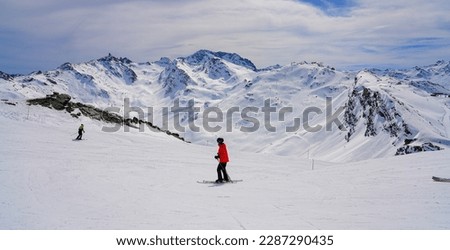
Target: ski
point(441, 179)
point(213, 182)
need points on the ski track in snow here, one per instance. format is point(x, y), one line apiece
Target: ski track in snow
point(132, 180)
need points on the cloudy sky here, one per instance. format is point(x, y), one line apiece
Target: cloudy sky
point(347, 34)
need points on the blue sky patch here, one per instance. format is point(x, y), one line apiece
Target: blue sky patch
point(331, 7)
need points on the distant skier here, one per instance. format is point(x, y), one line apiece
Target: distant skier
point(80, 132)
point(222, 157)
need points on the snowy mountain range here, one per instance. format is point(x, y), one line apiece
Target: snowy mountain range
point(302, 109)
point(316, 148)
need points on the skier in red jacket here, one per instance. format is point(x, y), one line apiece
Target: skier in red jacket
point(222, 157)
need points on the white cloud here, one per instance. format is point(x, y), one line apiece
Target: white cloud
point(267, 32)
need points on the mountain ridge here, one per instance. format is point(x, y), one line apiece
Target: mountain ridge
point(383, 110)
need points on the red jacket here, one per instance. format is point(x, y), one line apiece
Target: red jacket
point(223, 153)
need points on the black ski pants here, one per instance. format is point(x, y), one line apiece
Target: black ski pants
point(222, 172)
point(80, 134)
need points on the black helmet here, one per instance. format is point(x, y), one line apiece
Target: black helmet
point(219, 140)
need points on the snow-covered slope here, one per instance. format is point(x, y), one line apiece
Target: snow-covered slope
point(147, 180)
point(378, 113)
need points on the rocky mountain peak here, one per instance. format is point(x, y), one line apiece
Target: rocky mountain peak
point(111, 58)
point(203, 56)
point(5, 76)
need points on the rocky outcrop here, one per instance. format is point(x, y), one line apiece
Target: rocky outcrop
point(409, 149)
point(376, 113)
point(56, 101)
point(135, 121)
point(76, 109)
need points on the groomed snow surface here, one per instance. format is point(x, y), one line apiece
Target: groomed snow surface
point(147, 180)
